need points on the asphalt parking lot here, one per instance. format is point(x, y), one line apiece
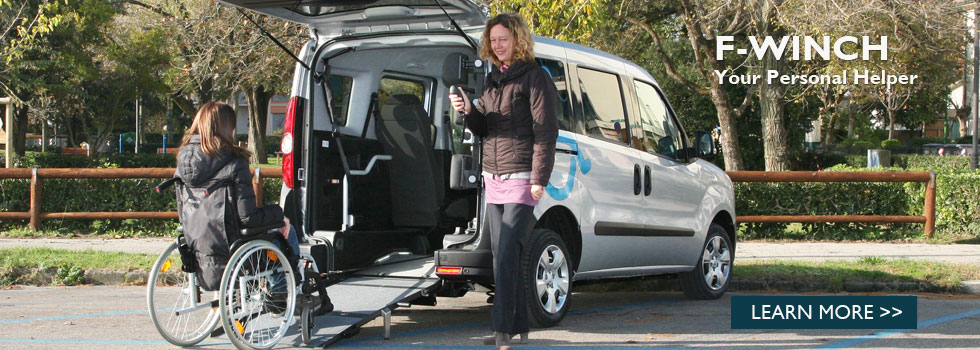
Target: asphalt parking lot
point(115, 318)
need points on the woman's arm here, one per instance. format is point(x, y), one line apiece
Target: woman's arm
point(544, 104)
point(250, 214)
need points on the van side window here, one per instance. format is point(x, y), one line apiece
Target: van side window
point(660, 134)
point(602, 102)
point(391, 86)
point(340, 88)
point(556, 69)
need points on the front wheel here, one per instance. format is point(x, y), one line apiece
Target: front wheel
point(547, 278)
point(713, 271)
point(258, 296)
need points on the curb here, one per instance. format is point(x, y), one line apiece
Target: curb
point(671, 284)
point(44, 277)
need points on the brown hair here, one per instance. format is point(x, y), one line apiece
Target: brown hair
point(523, 41)
point(214, 122)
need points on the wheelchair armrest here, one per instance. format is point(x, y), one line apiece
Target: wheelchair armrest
point(248, 231)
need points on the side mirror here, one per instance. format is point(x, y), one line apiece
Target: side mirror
point(704, 145)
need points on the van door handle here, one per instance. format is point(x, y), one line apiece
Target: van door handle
point(636, 179)
point(647, 187)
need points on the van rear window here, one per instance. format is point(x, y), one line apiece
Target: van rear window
point(340, 88)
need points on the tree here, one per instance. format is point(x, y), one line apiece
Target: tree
point(569, 20)
point(702, 23)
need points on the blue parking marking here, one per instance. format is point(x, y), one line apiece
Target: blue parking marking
point(843, 344)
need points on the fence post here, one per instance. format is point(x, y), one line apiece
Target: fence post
point(257, 186)
point(35, 205)
point(930, 206)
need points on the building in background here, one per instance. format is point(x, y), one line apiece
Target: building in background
point(275, 117)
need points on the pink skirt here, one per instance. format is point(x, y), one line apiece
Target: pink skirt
point(509, 191)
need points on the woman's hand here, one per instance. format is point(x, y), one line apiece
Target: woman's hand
point(460, 103)
point(537, 191)
point(284, 230)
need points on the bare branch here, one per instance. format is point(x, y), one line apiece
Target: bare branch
point(668, 62)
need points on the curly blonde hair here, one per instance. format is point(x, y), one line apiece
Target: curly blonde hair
point(523, 41)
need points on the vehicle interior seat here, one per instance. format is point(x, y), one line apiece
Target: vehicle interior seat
point(404, 133)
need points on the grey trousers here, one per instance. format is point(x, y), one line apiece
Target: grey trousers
point(509, 224)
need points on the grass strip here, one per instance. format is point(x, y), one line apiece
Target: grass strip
point(11, 258)
point(834, 273)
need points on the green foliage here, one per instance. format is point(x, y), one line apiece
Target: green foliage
point(968, 139)
point(957, 203)
point(68, 275)
point(920, 141)
point(116, 160)
point(803, 199)
point(862, 143)
point(890, 143)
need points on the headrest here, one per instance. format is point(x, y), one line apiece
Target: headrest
point(403, 107)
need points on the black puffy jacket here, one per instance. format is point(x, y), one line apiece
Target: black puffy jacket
point(517, 115)
point(211, 219)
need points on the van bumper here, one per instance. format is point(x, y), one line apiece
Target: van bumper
point(465, 265)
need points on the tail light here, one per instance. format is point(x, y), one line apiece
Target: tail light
point(286, 146)
point(449, 270)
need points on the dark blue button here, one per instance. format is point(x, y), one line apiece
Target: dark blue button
point(823, 312)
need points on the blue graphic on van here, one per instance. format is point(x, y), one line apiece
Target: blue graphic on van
point(563, 192)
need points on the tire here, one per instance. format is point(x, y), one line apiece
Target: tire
point(306, 325)
point(547, 278)
point(713, 270)
point(260, 316)
point(163, 302)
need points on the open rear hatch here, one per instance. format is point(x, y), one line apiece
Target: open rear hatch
point(348, 17)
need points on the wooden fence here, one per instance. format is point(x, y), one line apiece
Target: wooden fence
point(928, 218)
point(35, 215)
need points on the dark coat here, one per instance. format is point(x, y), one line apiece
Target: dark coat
point(211, 220)
point(517, 116)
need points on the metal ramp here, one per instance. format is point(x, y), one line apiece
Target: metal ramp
point(364, 296)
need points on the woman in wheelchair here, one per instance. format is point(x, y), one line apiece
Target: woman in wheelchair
point(247, 254)
point(210, 159)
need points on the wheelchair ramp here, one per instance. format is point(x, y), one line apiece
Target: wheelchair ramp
point(362, 297)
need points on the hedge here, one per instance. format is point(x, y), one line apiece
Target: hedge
point(957, 205)
point(71, 195)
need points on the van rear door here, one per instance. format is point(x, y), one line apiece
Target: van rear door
point(333, 18)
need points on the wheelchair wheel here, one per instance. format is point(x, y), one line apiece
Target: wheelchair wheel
point(180, 309)
point(258, 296)
point(306, 325)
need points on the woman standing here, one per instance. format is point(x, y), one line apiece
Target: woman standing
point(517, 117)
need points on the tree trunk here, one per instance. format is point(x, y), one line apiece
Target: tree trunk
point(850, 123)
point(20, 130)
point(773, 110)
point(891, 123)
point(258, 110)
point(829, 134)
point(729, 135)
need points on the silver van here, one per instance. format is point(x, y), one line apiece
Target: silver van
point(383, 179)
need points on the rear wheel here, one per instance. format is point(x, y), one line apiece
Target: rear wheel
point(175, 302)
point(547, 278)
point(258, 296)
point(712, 273)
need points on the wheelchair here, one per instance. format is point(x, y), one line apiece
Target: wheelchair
point(262, 286)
